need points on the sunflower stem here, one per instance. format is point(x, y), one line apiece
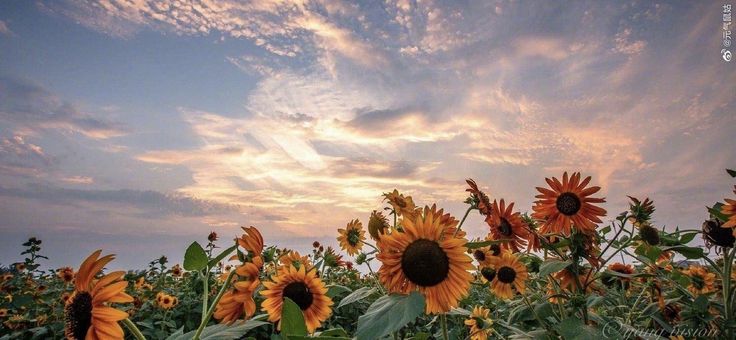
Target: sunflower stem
point(133, 329)
point(727, 296)
point(462, 221)
point(211, 310)
point(443, 319)
point(205, 293)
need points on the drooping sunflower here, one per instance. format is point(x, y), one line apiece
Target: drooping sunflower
point(729, 209)
point(351, 238)
point(701, 281)
point(65, 274)
point(507, 226)
point(715, 235)
point(402, 205)
point(568, 205)
point(377, 225)
point(611, 280)
point(566, 281)
point(302, 287)
point(479, 323)
point(428, 258)
point(238, 302)
point(511, 274)
point(87, 312)
point(479, 197)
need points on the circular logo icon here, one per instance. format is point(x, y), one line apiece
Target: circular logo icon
point(726, 54)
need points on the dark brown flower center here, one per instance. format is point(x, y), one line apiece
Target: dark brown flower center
point(78, 316)
point(299, 293)
point(568, 203)
point(505, 227)
point(495, 249)
point(488, 273)
point(479, 255)
point(506, 274)
point(425, 263)
point(717, 235)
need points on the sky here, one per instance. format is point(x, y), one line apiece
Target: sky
point(140, 126)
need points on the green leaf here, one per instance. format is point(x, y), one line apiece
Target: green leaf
point(222, 255)
point(334, 332)
point(715, 212)
point(292, 319)
point(388, 314)
point(22, 300)
point(421, 336)
point(689, 252)
point(195, 258)
point(357, 295)
point(221, 331)
point(701, 303)
point(481, 244)
point(552, 266)
point(574, 328)
point(686, 238)
point(731, 172)
point(335, 290)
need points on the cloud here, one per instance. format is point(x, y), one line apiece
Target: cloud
point(30, 108)
point(21, 158)
point(153, 202)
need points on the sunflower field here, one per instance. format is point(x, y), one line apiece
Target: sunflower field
point(566, 269)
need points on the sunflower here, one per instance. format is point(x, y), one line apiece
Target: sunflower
point(238, 301)
point(507, 226)
point(402, 205)
point(566, 280)
point(377, 225)
point(701, 281)
point(428, 258)
point(87, 312)
point(351, 238)
point(293, 258)
point(176, 270)
point(483, 255)
point(479, 323)
point(480, 199)
point(510, 273)
point(251, 240)
point(20, 266)
point(65, 274)
point(166, 301)
point(729, 209)
point(3, 312)
point(302, 287)
point(611, 280)
point(567, 205)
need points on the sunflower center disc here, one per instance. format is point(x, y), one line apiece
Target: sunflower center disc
point(568, 203)
point(488, 273)
point(506, 274)
point(299, 293)
point(78, 315)
point(495, 249)
point(505, 227)
point(424, 263)
point(479, 255)
point(353, 237)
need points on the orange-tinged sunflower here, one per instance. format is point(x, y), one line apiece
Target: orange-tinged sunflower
point(238, 301)
point(402, 205)
point(428, 258)
point(479, 323)
point(166, 301)
point(302, 287)
point(567, 283)
point(87, 313)
point(729, 209)
point(507, 226)
point(176, 271)
point(65, 274)
point(568, 204)
point(611, 280)
point(251, 240)
point(701, 281)
point(511, 274)
point(293, 258)
point(351, 238)
point(483, 255)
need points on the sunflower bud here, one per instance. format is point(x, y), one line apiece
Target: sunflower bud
point(715, 234)
point(377, 225)
point(361, 258)
point(649, 234)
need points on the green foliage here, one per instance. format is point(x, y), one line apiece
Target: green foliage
point(388, 314)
